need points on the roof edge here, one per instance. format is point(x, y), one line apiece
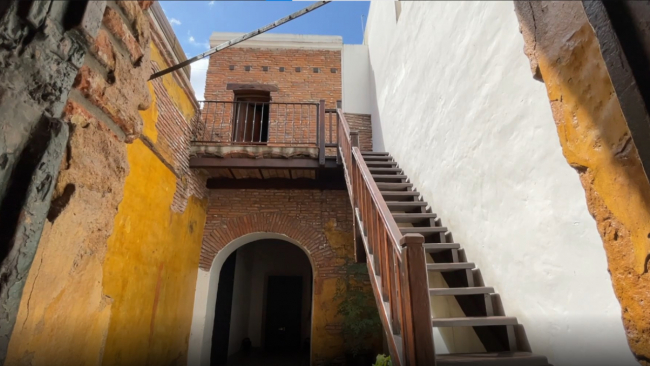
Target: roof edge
point(281, 41)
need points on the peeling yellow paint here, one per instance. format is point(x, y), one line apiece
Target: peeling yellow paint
point(596, 141)
point(114, 276)
point(151, 266)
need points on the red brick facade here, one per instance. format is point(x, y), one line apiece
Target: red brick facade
point(302, 215)
point(361, 123)
point(293, 86)
point(295, 75)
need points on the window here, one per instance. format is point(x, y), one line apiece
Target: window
point(251, 116)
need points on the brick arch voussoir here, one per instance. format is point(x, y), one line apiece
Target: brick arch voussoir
point(306, 236)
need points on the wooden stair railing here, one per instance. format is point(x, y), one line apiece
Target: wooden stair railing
point(396, 262)
point(400, 258)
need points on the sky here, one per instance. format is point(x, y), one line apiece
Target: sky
point(194, 22)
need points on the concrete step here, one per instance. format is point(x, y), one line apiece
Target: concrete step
point(405, 206)
point(388, 177)
point(377, 158)
point(376, 153)
point(412, 217)
point(483, 321)
point(394, 186)
point(385, 170)
point(381, 163)
point(449, 267)
point(400, 195)
point(492, 359)
point(460, 291)
point(439, 247)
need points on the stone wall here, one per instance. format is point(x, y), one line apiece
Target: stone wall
point(42, 46)
point(565, 54)
point(115, 269)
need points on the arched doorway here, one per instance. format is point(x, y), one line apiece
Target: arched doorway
point(268, 255)
point(263, 305)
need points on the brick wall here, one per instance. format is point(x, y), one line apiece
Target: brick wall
point(361, 123)
point(318, 77)
point(231, 213)
point(319, 221)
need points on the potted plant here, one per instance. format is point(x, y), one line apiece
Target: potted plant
point(361, 326)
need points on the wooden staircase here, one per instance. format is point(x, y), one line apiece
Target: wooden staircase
point(404, 243)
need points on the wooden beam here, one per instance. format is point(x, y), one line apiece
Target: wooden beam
point(278, 183)
point(256, 86)
point(264, 163)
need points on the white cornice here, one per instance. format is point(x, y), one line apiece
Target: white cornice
point(284, 41)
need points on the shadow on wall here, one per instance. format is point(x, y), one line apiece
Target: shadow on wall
point(375, 116)
point(564, 52)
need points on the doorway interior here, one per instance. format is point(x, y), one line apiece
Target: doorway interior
point(263, 307)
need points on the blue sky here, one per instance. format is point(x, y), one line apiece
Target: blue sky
point(194, 21)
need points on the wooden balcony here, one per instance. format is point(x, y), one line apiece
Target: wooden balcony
point(247, 144)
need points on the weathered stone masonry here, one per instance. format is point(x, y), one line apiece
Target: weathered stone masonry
point(127, 207)
point(42, 46)
point(565, 54)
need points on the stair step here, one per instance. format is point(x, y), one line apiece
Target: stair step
point(491, 359)
point(377, 158)
point(394, 186)
point(408, 196)
point(381, 153)
point(483, 321)
point(438, 247)
point(423, 230)
point(384, 170)
point(448, 267)
point(380, 163)
point(378, 177)
point(403, 206)
point(413, 217)
point(460, 291)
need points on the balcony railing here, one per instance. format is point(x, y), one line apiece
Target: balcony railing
point(250, 123)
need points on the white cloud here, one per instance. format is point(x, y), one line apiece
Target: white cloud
point(174, 21)
point(193, 42)
point(198, 76)
point(211, 3)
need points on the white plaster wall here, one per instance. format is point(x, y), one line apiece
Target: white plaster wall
point(355, 72)
point(453, 100)
point(241, 298)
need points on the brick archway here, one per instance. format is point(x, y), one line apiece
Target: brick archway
point(312, 242)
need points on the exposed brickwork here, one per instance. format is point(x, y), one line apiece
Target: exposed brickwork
point(300, 214)
point(361, 123)
point(304, 86)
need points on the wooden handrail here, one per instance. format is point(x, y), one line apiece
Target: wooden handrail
point(396, 262)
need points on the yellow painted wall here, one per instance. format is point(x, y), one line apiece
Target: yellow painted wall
point(151, 267)
point(596, 141)
point(153, 255)
point(114, 276)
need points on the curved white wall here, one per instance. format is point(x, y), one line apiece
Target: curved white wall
point(456, 105)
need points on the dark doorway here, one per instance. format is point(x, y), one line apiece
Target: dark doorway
point(283, 313)
point(222, 312)
point(251, 116)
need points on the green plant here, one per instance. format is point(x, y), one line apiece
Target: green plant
point(358, 308)
point(383, 360)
